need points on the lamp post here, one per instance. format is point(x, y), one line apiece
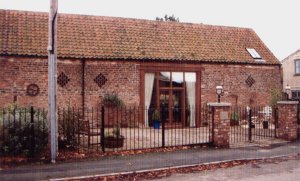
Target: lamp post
point(220, 92)
point(288, 91)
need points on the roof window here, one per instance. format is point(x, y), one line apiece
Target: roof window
point(253, 53)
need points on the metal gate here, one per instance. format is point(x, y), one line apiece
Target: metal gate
point(298, 119)
point(124, 128)
point(248, 124)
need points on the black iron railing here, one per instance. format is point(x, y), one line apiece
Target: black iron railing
point(131, 128)
point(252, 123)
point(23, 131)
point(298, 113)
point(298, 119)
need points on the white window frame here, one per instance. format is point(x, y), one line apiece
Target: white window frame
point(297, 68)
point(253, 53)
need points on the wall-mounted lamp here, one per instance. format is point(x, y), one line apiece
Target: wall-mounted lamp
point(288, 91)
point(220, 92)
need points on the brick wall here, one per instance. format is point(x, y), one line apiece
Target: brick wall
point(70, 94)
point(17, 73)
point(233, 78)
point(123, 77)
point(287, 120)
point(221, 124)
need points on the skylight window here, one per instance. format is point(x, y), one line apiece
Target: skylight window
point(253, 53)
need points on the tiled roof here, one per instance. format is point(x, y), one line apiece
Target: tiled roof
point(82, 36)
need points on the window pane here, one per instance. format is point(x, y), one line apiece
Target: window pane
point(190, 77)
point(253, 53)
point(164, 79)
point(297, 65)
point(177, 79)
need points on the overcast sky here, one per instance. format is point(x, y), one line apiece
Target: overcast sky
point(275, 21)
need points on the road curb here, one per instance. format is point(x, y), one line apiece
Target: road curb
point(167, 168)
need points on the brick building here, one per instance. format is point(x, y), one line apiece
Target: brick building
point(291, 74)
point(148, 63)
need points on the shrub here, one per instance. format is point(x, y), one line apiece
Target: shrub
point(275, 97)
point(155, 115)
point(112, 100)
point(19, 136)
point(69, 126)
point(234, 116)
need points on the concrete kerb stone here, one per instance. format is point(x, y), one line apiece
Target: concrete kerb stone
point(164, 168)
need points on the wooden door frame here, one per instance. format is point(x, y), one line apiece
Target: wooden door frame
point(171, 104)
point(171, 67)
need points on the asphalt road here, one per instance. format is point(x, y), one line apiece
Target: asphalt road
point(278, 171)
point(139, 162)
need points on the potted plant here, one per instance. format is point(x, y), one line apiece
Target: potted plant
point(112, 100)
point(112, 104)
point(155, 119)
point(234, 119)
point(115, 139)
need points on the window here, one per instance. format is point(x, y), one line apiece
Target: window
point(297, 67)
point(173, 94)
point(253, 53)
point(177, 79)
point(296, 94)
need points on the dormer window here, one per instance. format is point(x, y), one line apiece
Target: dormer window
point(253, 53)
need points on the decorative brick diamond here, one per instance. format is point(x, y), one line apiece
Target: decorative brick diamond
point(63, 79)
point(100, 80)
point(250, 81)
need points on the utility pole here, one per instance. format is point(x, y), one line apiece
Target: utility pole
point(52, 66)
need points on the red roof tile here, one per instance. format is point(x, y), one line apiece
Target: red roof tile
point(82, 36)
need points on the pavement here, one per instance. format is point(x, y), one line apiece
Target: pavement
point(147, 161)
point(287, 170)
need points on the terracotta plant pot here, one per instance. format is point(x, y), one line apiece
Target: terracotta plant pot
point(234, 122)
point(265, 124)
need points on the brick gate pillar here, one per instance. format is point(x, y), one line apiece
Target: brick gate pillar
point(287, 120)
point(221, 124)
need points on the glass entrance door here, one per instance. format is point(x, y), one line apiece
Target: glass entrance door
point(177, 106)
point(171, 106)
point(164, 100)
